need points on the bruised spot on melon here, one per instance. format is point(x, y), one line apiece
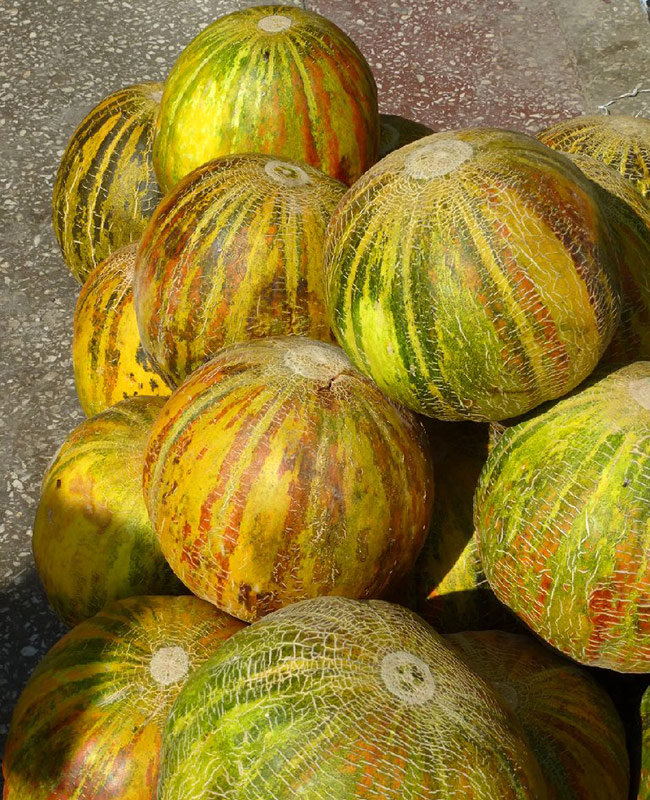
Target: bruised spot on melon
point(169, 665)
point(435, 159)
point(407, 677)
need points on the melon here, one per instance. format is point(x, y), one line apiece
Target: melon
point(629, 216)
point(279, 80)
point(106, 190)
point(234, 252)
point(276, 472)
point(89, 722)
point(621, 142)
point(396, 131)
point(337, 698)
point(562, 511)
point(107, 356)
point(93, 541)
point(471, 274)
point(569, 720)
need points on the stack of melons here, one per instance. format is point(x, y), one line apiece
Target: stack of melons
point(277, 282)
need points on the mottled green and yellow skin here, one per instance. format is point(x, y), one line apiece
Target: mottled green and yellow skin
point(562, 510)
point(277, 472)
point(106, 190)
point(621, 142)
point(447, 585)
point(271, 79)
point(644, 780)
point(93, 541)
point(396, 131)
point(336, 698)
point(628, 213)
point(107, 356)
point(89, 723)
point(569, 720)
point(471, 275)
point(234, 252)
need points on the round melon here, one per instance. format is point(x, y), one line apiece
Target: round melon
point(93, 541)
point(629, 216)
point(447, 585)
point(234, 252)
point(619, 141)
point(562, 510)
point(279, 80)
point(471, 275)
point(336, 698)
point(396, 131)
point(106, 190)
point(109, 362)
point(277, 472)
point(89, 722)
point(569, 720)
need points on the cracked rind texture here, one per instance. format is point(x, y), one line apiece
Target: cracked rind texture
point(339, 698)
point(311, 481)
point(298, 89)
point(106, 190)
point(107, 356)
point(621, 142)
point(93, 541)
point(628, 213)
point(569, 720)
point(471, 274)
point(89, 722)
point(234, 252)
point(562, 511)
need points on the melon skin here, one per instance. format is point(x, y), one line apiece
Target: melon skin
point(89, 722)
point(563, 517)
point(311, 481)
point(271, 79)
point(621, 142)
point(106, 190)
point(333, 697)
point(93, 541)
point(471, 274)
point(628, 214)
point(234, 252)
point(107, 356)
point(569, 720)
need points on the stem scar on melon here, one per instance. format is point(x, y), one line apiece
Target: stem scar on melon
point(274, 23)
point(437, 158)
point(169, 665)
point(407, 677)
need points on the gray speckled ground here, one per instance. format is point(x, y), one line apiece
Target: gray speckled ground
point(514, 63)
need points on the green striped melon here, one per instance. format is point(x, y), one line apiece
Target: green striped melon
point(471, 275)
point(447, 585)
point(629, 215)
point(106, 190)
point(569, 720)
point(234, 252)
point(93, 541)
point(336, 698)
point(107, 356)
point(562, 510)
point(396, 131)
point(621, 142)
point(644, 780)
point(279, 80)
point(277, 472)
point(89, 722)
